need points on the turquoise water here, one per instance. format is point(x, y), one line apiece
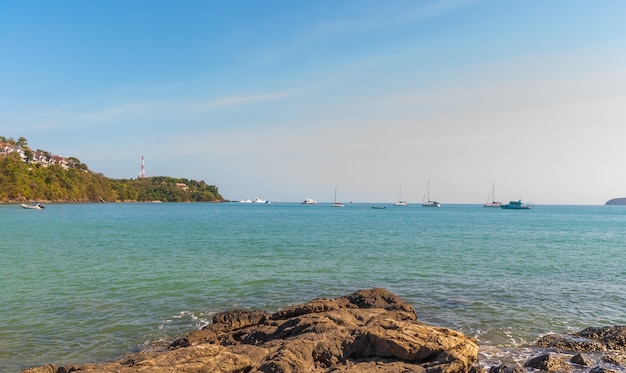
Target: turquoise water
point(89, 282)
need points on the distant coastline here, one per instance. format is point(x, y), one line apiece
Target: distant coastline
point(616, 201)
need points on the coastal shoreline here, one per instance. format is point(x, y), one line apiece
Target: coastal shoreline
point(367, 330)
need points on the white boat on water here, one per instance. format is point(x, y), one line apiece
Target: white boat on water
point(309, 201)
point(247, 200)
point(400, 201)
point(260, 200)
point(491, 201)
point(337, 204)
point(33, 206)
point(427, 201)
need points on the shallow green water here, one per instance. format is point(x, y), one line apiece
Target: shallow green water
point(89, 282)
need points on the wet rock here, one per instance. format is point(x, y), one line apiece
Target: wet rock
point(587, 340)
point(615, 359)
point(601, 370)
point(612, 337)
point(507, 368)
point(238, 319)
point(548, 362)
point(569, 342)
point(581, 359)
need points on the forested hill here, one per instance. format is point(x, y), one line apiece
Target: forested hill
point(22, 180)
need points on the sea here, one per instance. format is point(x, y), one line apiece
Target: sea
point(91, 282)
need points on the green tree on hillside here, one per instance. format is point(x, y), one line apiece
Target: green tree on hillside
point(22, 181)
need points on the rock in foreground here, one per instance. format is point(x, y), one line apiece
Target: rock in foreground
point(588, 340)
point(367, 331)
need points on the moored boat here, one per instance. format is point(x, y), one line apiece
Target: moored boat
point(491, 202)
point(337, 204)
point(33, 206)
point(516, 205)
point(308, 201)
point(400, 201)
point(427, 202)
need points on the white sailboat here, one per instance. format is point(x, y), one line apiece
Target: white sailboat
point(337, 204)
point(400, 201)
point(491, 200)
point(426, 201)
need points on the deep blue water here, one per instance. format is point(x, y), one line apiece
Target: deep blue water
point(89, 282)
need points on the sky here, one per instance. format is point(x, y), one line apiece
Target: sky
point(291, 99)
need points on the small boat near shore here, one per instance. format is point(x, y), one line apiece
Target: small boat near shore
point(33, 206)
point(308, 201)
point(516, 205)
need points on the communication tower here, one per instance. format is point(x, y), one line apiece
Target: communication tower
point(142, 173)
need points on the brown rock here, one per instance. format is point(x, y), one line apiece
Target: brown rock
point(238, 319)
point(569, 342)
point(612, 337)
point(367, 331)
point(615, 359)
point(548, 362)
point(507, 368)
point(581, 359)
point(587, 340)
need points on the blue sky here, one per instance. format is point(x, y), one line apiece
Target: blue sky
point(286, 100)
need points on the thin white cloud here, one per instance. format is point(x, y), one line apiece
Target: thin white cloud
point(240, 100)
point(95, 116)
point(380, 18)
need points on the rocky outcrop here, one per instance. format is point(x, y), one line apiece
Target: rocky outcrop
point(586, 340)
point(367, 331)
point(609, 342)
point(548, 363)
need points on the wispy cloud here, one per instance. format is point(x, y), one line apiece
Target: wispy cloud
point(438, 8)
point(96, 115)
point(240, 100)
point(381, 18)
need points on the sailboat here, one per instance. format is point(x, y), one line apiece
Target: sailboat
point(337, 204)
point(427, 202)
point(400, 201)
point(491, 202)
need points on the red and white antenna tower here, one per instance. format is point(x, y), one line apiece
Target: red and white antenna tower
point(142, 174)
